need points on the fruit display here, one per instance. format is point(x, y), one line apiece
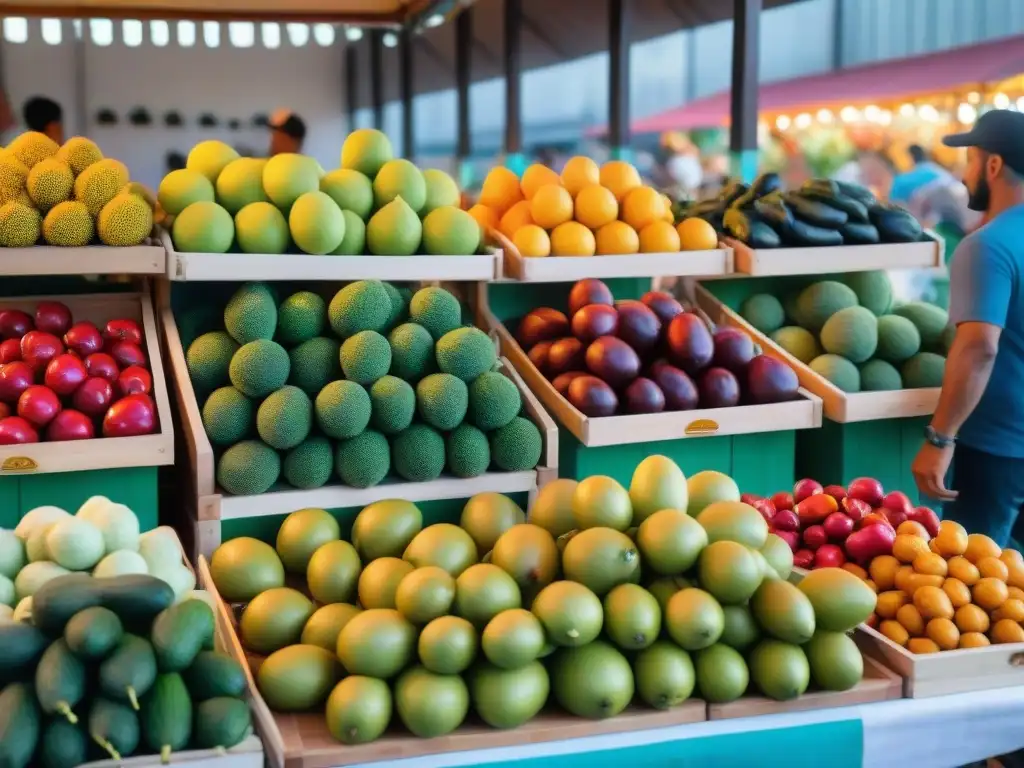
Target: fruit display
point(68, 196)
point(62, 379)
point(599, 598)
point(849, 331)
point(630, 356)
point(586, 210)
point(372, 381)
point(373, 204)
point(822, 212)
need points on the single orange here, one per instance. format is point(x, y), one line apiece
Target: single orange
point(979, 545)
point(578, 173)
point(992, 568)
point(643, 206)
point(535, 177)
point(990, 593)
point(596, 206)
point(572, 239)
point(697, 235)
point(617, 238)
point(515, 217)
point(500, 189)
point(971, 618)
point(913, 528)
point(883, 571)
point(659, 237)
point(619, 177)
point(532, 241)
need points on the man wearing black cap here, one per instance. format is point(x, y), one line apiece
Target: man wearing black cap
point(981, 408)
point(287, 132)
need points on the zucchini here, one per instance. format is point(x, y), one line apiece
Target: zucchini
point(766, 183)
point(114, 727)
point(855, 210)
point(858, 192)
point(774, 212)
point(60, 681)
point(748, 229)
point(19, 725)
point(814, 212)
point(22, 645)
point(855, 233)
point(93, 633)
point(222, 722)
point(129, 671)
point(167, 716)
point(214, 674)
point(135, 598)
point(63, 745)
point(895, 224)
point(180, 632)
point(800, 233)
point(59, 599)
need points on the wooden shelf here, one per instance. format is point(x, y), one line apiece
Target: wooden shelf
point(40, 260)
point(842, 258)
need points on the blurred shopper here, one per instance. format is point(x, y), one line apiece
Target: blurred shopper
point(980, 414)
point(287, 133)
point(925, 171)
point(44, 115)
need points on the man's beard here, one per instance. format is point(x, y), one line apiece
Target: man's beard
point(980, 196)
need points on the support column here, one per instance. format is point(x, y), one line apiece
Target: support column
point(514, 158)
point(407, 90)
point(743, 127)
point(463, 78)
point(377, 78)
point(618, 79)
point(351, 84)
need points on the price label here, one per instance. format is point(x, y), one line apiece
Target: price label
point(19, 464)
point(701, 427)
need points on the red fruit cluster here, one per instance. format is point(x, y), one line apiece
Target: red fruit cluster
point(831, 525)
point(647, 356)
point(65, 380)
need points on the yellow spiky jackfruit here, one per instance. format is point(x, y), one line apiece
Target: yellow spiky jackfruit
point(79, 153)
point(99, 183)
point(19, 226)
point(33, 147)
point(49, 182)
point(13, 175)
point(68, 225)
point(125, 221)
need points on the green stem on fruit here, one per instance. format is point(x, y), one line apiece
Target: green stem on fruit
point(106, 746)
point(572, 634)
point(64, 709)
point(133, 700)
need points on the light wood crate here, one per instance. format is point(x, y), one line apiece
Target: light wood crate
point(149, 258)
point(837, 258)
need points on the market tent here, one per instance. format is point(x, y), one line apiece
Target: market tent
point(969, 67)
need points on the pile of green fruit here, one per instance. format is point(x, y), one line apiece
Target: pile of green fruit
point(373, 204)
point(600, 598)
point(372, 381)
point(68, 196)
point(111, 667)
point(849, 331)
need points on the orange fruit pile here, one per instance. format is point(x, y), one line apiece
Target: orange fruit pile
point(586, 210)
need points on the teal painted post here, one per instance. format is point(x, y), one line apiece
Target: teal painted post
point(743, 164)
point(516, 162)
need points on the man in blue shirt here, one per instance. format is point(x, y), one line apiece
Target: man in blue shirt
point(981, 408)
point(924, 172)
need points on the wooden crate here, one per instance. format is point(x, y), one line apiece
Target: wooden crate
point(255, 266)
point(209, 508)
point(843, 258)
point(122, 467)
point(303, 741)
point(556, 269)
point(147, 259)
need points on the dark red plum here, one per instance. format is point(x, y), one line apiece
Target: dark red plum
point(679, 390)
point(690, 345)
point(594, 321)
point(664, 305)
point(562, 382)
point(565, 355)
point(592, 397)
point(589, 291)
point(644, 396)
point(613, 360)
point(544, 324)
point(638, 326)
point(733, 350)
point(718, 389)
point(539, 356)
point(770, 381)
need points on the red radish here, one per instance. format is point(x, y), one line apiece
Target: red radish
point(134, 380)
point(838, 526)
point(783, 500)
point(927, 518)
point(84, 339)
point(814, 537)
point(766, 508)
point(750, 498)
point(786, 520)
point(837, 492)
point(829, 556)
point(130, 416)
point(805, 488)
point(38, 348)
point(123, 330)
point(15, 378)
point(897, 507)
point(10, 350)
point(94, 396)
point(14, 323)
point(70, 425)
point(790, 537)
point(38, 405)
point(803, 558)
point(126, 353)
point(53, 317)
point(866, 489)
point(14, 430)
point(5, 410)
point(64, 374)
point(870, 542)
point(855, 509)
point(103, 365)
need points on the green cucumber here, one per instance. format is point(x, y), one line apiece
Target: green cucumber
point(214, 674)
point(62, 745)
point(93, 633)
point(54, 603)
point(114, 727)
point(22, 645)
point(19, 725)
point(128, 673)
point(60, 681)
point(222, 722)
point(167, 716)
point(179, 633)
point(135, 598)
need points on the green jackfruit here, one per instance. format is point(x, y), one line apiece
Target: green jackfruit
point(20, 226)
point(436, 310)
point(399, 305)
point(228, 416)
point(879, 376)
point(300, 317)
point(360, 306)
point(873, 289)
point(493, 400)
point(516, 446)
point(840, 371)
point(898, 339)
point(931, 321)
point(364, 460)
point(248, 468)
point(465, 353)
point(852, 333)
point(418, 453)
point(68, 225)
point(125, 221)
point(251, 313)
point(208, 359)
point(342, 409)
point(393, 404)
point(314, 364)
point(468, 451)
point(412, 352)
point(50, 182)
point(259, 368)
point(365, 357)
point(441, 400)
point(285, 418)
point(817, 303)
point(309, 464)
point(925, 369)
point(799, 342)
point(764, 312)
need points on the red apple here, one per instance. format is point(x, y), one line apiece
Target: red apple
point(14, 430)
point(123, 330)
point(814, 537)
point(15, 378)
point(64, 374)
point(94, 396)
point(10, 350)
point(855, 509)
point(38, 348)
point(897, 507)
point(837, 492)
point(103, 365)
point(927, 518)
point(71, 425)
point(870, 542)
point(790, 537)
point(866, 489)
point(14, 323)
point(134, 380)
point(803, 558)
point(786, 520)
point(805, 488)
point(130, 416)
point(53, 317)
point(749, 498)
point(838, 526)
point(127, 353)
point(38, 405)
point(829, 556)
point(766, 508)
point(5, 410)
point(783, 500)
point(84, 339)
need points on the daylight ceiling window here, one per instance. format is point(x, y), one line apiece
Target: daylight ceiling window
point(51, 31)
point(211, 34)
point(271, 34)
point(16, 30)
point(390, 39)
point(186, 34)
point(101, 31)
point(353, 34)
point(324, 35)
point(131, 33)
point(242, 34)
point(298, 35)
point(159, 33)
